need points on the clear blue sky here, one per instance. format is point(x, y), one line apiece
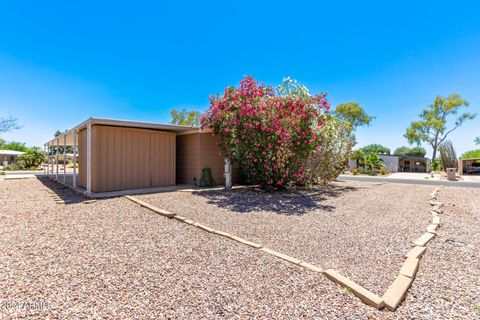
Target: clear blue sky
point(64, 61)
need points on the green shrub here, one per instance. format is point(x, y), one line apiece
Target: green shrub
point(206, 179)
point(355, 171)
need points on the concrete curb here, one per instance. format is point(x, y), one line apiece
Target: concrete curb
point(397, 291)
point(203, 227)
point(363, 294)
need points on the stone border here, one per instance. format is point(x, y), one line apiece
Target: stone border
point(203, 227)
point(395, 293)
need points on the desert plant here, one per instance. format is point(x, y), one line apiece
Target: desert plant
point(269, 135)
point(334, 144)
point(373, 163)
point(33, 157)
point(355, 171)
point(448, 157)
point(206, 179)
point(359, 157)
point(436, 165)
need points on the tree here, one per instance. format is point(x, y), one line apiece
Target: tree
point(359, 157)
point(411, 152)
point(353, 113)
point(14, 145)
point(477, 141)
point(448, 156)
point(470, 154)
point(185, 118)
point(8, 124)
point(375, 148)
point(432, 126)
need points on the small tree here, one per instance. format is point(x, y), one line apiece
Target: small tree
point(470, 154)
point(375, 148)
point(412, 152)
point(353, 113)
point(185, 118)
point(448, 157)
point(432, 126)
point(359, 157)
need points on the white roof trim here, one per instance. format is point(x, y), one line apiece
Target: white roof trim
point(122, 123)
point(11, 152)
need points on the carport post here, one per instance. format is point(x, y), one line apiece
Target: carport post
point(64, 158)
point(56, 159)
point(89, 159)
point(74, 178)
point(49, 156)
point(44, 169)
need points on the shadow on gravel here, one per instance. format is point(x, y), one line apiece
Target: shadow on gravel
point(294, 202)
point(65, 193)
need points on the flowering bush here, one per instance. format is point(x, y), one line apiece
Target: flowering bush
point(267, 134)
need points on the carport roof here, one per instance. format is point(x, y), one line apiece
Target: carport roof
point(119, 123)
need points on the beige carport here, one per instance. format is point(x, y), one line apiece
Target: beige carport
point(115, 155)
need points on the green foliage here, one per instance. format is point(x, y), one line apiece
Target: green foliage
point(373, 162)
point(359, 157)
point(411, 152)
point(14, 145)
point(206, 179)
point(471, 154)
point(436, 165)
point(448, 157)
point(477, 141)
point(334, 144)
point(375, 148)
point(8, 124)
point(432, 126)
point(185, 118)
point(33, 157)
point(291, 87)
point(353, 113)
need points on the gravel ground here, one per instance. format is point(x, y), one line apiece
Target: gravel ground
point(448, 281)
point(363, 230)
point(114, 259)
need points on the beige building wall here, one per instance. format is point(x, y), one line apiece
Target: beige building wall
point(128, 158)
point(196, 151)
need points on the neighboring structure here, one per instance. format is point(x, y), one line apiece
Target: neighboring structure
point(9, 156)
point(402, 163)
point(116, 155)
point(469, 166)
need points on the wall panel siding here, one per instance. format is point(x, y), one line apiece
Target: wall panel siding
point(122, 158)
point(162, 159)
point(188, 158)
point(196, 151)
point(82, 158)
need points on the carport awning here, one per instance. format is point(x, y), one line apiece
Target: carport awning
point(118, 123)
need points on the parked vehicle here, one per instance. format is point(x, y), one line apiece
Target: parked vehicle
point(474, 168)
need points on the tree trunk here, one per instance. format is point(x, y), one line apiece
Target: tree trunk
point(434, 153)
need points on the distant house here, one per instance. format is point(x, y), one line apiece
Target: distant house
point(9, 156)
point(402, 163)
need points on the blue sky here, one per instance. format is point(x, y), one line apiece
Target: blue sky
point(62, 62)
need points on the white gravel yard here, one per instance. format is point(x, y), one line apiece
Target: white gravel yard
point(114, 259)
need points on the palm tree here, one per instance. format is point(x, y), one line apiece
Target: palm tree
point(359, 157)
